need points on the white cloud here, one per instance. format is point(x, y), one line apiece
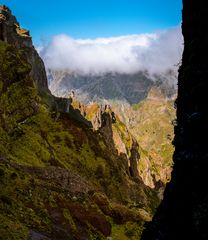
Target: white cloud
point(155, 52)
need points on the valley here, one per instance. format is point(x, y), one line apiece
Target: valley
point(143, 108)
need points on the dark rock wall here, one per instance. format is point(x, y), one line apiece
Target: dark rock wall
point(183, 213)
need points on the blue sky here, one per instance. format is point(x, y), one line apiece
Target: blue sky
point(94, 18)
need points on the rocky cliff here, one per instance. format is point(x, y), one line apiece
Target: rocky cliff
point(147, 125)
point(116, 134)
point(12, 33)
point(58, 178)
point(183, 213)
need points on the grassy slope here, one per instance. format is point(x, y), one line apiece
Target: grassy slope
point(57, 177)
point(154, 131)
point(150, 122)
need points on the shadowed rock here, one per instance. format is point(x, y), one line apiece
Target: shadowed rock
point(183, 213)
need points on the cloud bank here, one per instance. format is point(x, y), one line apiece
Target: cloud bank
point(155, 52)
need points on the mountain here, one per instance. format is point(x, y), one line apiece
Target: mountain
point(130, 88)
point(59, 178)
point(151, 123)
point(142, 103)
point(148, 124)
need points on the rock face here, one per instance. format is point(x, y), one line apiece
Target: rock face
point(116, 135)
point(148, 123)
point(183, 213)
point(12, 33)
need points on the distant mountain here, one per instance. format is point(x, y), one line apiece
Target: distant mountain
point(130, 88)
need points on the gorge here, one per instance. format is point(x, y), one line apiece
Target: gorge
point(76, 166)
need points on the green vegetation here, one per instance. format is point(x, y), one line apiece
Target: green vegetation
point(154, 132)
point(150, 123)
point(52, 167)
point(121, 131)
point(128, 231)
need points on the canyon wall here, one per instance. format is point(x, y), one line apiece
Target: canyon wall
point(183, 213)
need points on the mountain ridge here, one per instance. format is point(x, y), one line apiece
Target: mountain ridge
point(130, 88)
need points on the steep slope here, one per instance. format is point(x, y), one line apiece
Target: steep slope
point(183, 213)
point(118, 137)
point(149, 124)
point(58, 178)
